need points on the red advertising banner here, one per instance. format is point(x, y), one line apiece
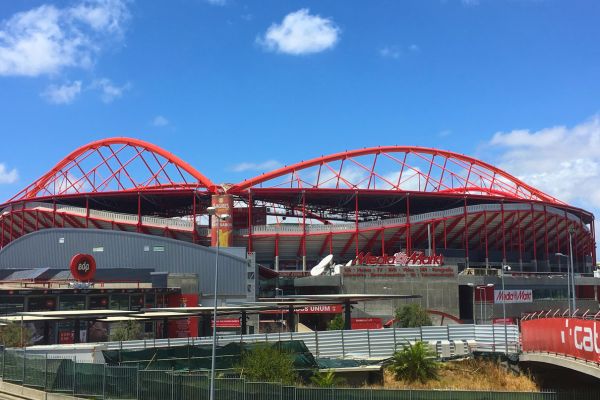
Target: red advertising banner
point(366, 323)
point(221, 230)
point(187, 326)
point(226, 323)
point(66, 337)
point(570, 336)
point(318, 309)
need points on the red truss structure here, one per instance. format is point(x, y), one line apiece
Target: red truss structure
point(119, 164)
point(378, 200)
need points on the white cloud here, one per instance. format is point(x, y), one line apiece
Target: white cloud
point(562, 161)
point(395, 52)
point(470, 3)
point(301, 33)
point(62, 94)
point(159, 120)
point(217, 2)
point(7, 176)
point(108, 90)
point(47, 39)
point(264, 166)
point(390, 52)
point(445, 133)
point(102, 15)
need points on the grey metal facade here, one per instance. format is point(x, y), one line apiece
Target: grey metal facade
point(54, 248)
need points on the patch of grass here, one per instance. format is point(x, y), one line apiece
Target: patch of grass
point(469, 374)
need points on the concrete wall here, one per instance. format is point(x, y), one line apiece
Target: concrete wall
point(439, 294)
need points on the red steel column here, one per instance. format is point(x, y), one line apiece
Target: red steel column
point(303, 230)
point(139, 212)
point(547, 256)
point(485, 227)
point(519, 237)
point(277, 252)
point(408, 243)
point(250, 204)
point(356, 221)
point(534, 230)
point(194, 233)
point(432, 237)
point(22, 218)
point(54, 213)
point(466, 232)
point(87, 212)
point(557, 234)
point(593, 244)
point(382, 241)
point(503, 234)
point(445, 236)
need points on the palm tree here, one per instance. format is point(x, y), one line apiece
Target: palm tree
point(415, 362)
point(326, 379)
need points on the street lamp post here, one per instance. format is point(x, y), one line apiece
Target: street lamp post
point(277, 292)
point(571, 232)
point(212, 211)
point(483, 303)
point(504, 268)
point(570, 279)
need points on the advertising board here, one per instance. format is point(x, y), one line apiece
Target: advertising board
point(567, 336)
point(513, 296)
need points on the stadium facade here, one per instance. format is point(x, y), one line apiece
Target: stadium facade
point(410, 218)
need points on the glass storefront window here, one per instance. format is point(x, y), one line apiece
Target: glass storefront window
point(119, 302)
point(71, 302)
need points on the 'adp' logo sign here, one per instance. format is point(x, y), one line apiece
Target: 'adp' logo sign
point(83, 267)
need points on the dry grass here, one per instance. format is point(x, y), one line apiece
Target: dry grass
point(469, 375)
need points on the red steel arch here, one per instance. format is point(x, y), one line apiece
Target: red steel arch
point(410, 168)
point(121, 164)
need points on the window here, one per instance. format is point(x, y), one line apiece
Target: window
point(98, 249)
point(158, 248)
point(146, 248)
point(61, 240)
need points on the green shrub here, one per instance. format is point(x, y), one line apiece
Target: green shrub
point(326, 379)
point(336, 324)
point(267, 364)
point(415, 362)
point(126, 330)
point(12, 335)
point(412, 316)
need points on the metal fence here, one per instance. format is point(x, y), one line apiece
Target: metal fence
point(363, 343)
point(101, 381)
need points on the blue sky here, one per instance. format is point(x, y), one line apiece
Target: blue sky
point(235, 87)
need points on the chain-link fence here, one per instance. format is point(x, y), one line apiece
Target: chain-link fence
point(102, 381)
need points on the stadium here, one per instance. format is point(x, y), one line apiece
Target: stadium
point(377, 200)
point(451, 219)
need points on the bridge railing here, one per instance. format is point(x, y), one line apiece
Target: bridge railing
point(570, 336)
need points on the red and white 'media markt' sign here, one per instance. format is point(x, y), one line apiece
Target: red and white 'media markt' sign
point(399, 259)
point(513, 296)
point(570, 336)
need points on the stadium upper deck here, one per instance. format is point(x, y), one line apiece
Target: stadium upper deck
point(378, 200)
